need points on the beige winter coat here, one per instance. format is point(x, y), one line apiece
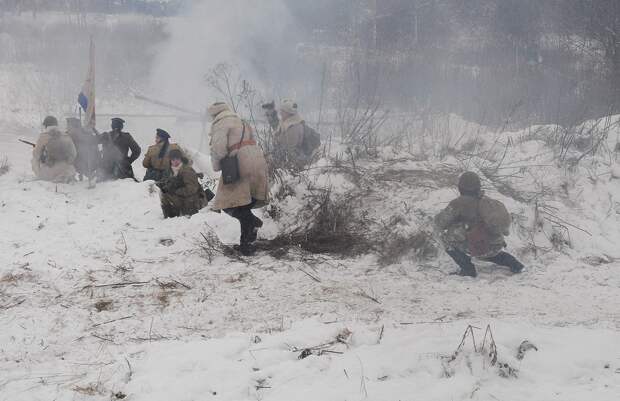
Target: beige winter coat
point(226, 131)
point(53, 156)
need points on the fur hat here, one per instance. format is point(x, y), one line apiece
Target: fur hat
point(162, 134)
point(469, 182)
point(216, 108)
point(50, 121)
point(175, 154)
point(289, 106)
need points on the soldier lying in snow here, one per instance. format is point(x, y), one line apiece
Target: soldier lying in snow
point(475, 225)
point(54, 154)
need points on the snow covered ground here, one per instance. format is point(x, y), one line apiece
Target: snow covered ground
point(101, 298)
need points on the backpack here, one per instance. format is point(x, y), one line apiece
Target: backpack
point(494, 215)
point(311, 140)
point(57, 149)
point(495, 220)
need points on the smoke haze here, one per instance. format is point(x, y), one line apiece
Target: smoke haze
point(256, 38)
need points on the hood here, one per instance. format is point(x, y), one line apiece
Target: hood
point(216, 109)
point(224, 114)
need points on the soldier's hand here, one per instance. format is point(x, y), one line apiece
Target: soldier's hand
point(161, 185)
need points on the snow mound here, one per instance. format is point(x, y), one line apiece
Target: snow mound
point(100, 295)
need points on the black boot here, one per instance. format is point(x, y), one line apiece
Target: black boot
point(506, 259)
point(256, 224)
point(464, 262)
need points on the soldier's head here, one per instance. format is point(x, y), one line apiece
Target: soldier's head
point(176, 157)
point(288, 108)
point(469, 184)
point(117, 123)
point(50, 121)
point(216, 108)
point(161, 135)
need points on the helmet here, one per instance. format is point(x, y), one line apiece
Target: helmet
point(469, 183)
point(50, 121)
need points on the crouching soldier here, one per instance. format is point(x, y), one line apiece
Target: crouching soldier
point(243, 185)
point(54, 154)
point(474, 225)
point(181, 192)
point(157, 158)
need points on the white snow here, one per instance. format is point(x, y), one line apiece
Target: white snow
point(101, 297)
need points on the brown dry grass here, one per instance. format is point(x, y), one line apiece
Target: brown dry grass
point(103, 305)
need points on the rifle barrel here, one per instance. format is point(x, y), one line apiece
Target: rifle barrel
point(27, 142)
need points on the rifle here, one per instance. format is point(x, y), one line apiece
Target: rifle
point(27, 142)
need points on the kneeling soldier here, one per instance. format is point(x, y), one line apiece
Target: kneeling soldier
point(181, 192)
point(475, 225)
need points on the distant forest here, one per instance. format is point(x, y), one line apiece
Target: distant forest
point(527, 61)
point(147, 7)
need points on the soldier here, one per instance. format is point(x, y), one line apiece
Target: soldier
point(54, 154)
point(271, 114)
point(467, 230)
point(290, 133)
point(181, 192)
point(116, 144)
point(157, 159)
point(88, 156)
point(231, 138)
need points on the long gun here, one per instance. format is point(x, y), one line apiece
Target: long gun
point(27, 142)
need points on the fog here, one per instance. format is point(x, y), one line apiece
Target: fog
point(257, 39)
point(489, 61)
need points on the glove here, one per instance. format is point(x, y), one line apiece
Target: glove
point(161, 185)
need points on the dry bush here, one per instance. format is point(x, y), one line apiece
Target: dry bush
point(14, 278)
point(360, 110)
point(5, 167)
point(163, 298)
point(575, 142)
point(484, 355)
point(103, 305)
point(331, 226)
point(210, 245)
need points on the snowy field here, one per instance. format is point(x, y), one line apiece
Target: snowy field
point(100, 298)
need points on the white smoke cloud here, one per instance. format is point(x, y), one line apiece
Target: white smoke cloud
point(257, 37)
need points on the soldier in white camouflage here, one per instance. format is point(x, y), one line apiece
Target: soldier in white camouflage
point(465, 234)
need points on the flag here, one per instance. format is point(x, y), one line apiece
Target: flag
point(86, 98)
